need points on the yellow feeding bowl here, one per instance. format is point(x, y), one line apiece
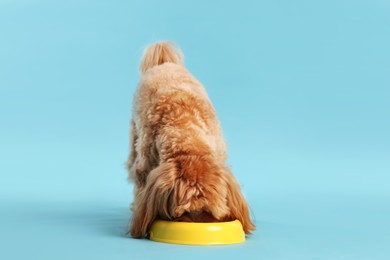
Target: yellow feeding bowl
point(194, 233)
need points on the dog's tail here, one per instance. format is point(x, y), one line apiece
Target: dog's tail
point(160, 53)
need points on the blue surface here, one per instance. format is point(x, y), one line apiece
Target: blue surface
point(302, 89)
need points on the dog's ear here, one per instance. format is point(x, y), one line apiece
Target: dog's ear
point(153, 200)
point(236, 202)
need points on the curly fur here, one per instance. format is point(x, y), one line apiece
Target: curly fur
point(178, 155)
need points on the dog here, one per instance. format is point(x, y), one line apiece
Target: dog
point(178, 156)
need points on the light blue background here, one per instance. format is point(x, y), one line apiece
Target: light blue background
point(301, 89)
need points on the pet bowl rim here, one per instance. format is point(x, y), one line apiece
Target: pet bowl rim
point(197, 233)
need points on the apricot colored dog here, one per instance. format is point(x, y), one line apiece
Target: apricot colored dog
point(178, 155)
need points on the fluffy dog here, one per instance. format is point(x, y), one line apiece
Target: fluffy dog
point(178, 155)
